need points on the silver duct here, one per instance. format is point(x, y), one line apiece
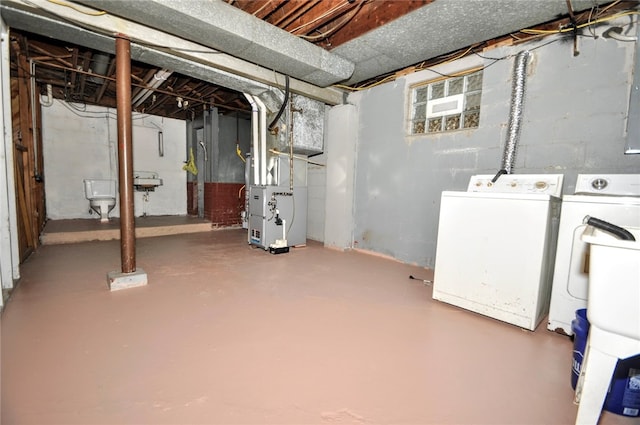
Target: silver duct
point(515, 115)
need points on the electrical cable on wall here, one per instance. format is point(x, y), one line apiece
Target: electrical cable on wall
point(77, 9)
point(464, 52)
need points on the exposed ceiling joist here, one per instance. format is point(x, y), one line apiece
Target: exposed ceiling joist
point(154, 47)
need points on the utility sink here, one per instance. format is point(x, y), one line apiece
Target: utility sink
point(614, 282)
point(146, 181)
point(613, 310)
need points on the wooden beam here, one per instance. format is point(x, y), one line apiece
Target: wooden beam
point(26, 131)
point(372, 15)
point(288, 10)
point(319, 16)
point(60, 58)
point(259, 8)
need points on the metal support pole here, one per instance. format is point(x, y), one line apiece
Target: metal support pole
point(125, 154)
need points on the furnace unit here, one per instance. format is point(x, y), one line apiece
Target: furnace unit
point(277, 213)
point(277, 217)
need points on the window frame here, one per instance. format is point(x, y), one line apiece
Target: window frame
point(413, 104)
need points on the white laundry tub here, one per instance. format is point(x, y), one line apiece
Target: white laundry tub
point(614, 282)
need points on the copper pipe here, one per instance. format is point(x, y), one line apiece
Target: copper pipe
point(125, 154)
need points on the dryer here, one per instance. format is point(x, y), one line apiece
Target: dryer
point(611, 197)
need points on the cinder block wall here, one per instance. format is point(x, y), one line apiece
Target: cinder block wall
point(574, 122)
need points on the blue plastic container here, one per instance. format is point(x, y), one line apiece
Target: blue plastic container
point(624, 392)
point(623, 397)
point(580, 328)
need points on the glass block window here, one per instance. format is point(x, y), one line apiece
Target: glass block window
point(446, 105)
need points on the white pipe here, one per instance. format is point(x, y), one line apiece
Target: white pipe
point(49, 99)
point(620, 37)
point(158, 78)
point(254, 138)
point(34, 127)
point(263, 141)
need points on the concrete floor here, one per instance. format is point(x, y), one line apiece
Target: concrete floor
point(228, 334)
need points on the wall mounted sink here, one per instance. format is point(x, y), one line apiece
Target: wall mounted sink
point(146, 181)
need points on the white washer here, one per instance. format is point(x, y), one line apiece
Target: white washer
point(611, 197)
point(496, 246)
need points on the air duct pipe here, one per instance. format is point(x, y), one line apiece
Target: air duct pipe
point(515, 115)
point(254, 138)
point(263, 140)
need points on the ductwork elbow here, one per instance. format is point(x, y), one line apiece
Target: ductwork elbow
point(254, 106)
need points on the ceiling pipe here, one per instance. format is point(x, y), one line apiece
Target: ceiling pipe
point(100, 65)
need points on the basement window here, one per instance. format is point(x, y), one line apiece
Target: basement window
point(446, 104)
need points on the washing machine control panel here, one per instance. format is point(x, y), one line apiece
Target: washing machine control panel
point(608, 184)
point(548, 184)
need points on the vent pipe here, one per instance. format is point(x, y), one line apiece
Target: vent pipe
point(100, 65)
point(254, 139)
point(515, 115)
point(263, 140)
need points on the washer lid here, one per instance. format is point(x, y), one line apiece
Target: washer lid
point(547, 184)
point(608, 184)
